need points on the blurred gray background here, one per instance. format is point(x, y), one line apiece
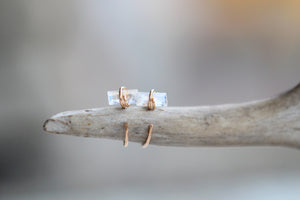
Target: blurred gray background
point(64, 55)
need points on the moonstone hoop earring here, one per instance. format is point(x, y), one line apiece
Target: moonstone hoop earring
point(151, 106)
point(151, 102)
point(123, 97)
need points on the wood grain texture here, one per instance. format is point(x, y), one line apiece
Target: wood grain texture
point(274, 121)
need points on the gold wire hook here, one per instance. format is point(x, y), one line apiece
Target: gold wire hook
point(151, 106)
point(123, 97)
point(126, 134)
point(149, 136)
point(151, 102)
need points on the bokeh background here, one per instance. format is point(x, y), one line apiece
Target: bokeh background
point(63, 55)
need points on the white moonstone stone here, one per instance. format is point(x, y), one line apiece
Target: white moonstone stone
point(113, 97)
point(160, 99)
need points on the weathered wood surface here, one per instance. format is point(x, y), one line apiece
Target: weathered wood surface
point(274, 121)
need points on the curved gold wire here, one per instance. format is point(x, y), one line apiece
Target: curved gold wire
point(126, 134)
point(123, 97)
point(149, 136)
point(151, 102)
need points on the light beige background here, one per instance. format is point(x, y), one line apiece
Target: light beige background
point(65, 55)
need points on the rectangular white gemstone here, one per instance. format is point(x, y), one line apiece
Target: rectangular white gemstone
point(160, 99)
point(113, 97)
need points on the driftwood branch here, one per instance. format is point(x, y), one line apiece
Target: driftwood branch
point(274, 121)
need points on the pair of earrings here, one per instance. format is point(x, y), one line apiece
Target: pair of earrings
point(126, 98)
